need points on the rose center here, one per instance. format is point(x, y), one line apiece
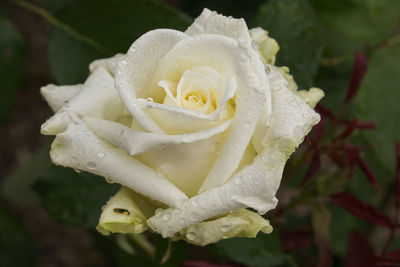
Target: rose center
point(193, 99)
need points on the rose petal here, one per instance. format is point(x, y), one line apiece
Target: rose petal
point(185, 165)
point(236, 29)
point(240, 223)
point(79, 148)
point(109, 64)
point(136, 142)
point(123, 214)
point(97, 98)
point(58, 96)
point(210, 22)
point(289, 108)
point(226, 56)
point(255, 185)
point(291, 117)
point(134, 71)
point(312, 96)
point(177, 120)
point(266, 46)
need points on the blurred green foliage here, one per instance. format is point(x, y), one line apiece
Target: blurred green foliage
point(77, 198)
point(378, 100)
point(16, 246)
point(12, 65)
point(294, 24)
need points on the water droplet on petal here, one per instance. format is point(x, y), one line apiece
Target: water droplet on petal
point(132, 49)
point(77, 171)
point(124, 62)
point(225, 228)
point(193, 218)
point(299, 132)
point(242, 39)
point(191, 236)
point(194, 203)
point(166, 167)
point(305, 116)
point(91, 165)
point(238, 181)
point(121, 132)
point(100, 155)
point(293, 101)
point(159, 213)
point(108, 180)
point(177, 211)
point(166, 216)
point(81, 151)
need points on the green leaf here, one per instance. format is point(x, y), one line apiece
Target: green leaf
point(12, 65)
point(295, 27)
point(127, 250)
point(263, 251)
point(341, 225)
point(17, 187)
point(238, 9)
point(74, 198)
point(168, 253)
point(350, 24)
point(16, 246)
point(54, 6)
point(112, 25)
point(378, 101)
point(334, 81)
point(69, 57)
point(120, 251)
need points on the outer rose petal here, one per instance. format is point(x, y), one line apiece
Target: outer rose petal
point(267, 46)
point(240, 223)
point(109, 64)
point(255, 185)
point(312, 96)
point(210, 22)
point(58, 96)
point(123, 215)
point(79, 148)
point(97, 98)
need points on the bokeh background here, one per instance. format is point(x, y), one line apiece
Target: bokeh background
point(340, 194)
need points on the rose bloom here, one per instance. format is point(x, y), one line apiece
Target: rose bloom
point(196, 126)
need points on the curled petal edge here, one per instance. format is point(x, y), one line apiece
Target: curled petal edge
point(80, 148)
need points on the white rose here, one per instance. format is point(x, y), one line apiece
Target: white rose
point(196, 126)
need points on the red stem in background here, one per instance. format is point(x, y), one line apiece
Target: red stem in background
point(397, 214)
point(359, 69)
point(362, 210)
